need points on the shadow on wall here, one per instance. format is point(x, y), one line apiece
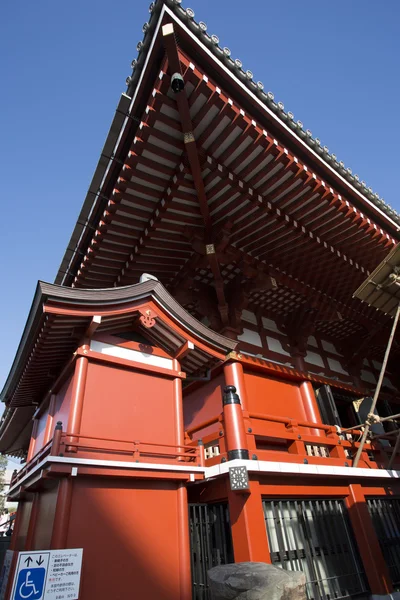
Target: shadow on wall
point(130, 539)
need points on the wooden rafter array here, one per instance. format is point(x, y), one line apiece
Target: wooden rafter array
point(272, 211)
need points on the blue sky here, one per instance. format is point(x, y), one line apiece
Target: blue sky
point(335, 65)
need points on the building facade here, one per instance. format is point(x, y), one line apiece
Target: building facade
point(210, 410)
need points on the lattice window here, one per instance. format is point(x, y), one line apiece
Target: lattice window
point(314, 536)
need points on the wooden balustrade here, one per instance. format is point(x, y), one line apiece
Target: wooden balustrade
point(67, 444)
point(284, 439)
point(131, 450)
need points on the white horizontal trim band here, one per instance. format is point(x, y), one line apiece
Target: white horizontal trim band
point(264, 466)
point(261, 466)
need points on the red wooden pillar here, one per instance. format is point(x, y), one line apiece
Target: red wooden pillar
point(78, 393)
point(371, 555)
point(178, 403)
point(48, 432)
point(14, 547)
point(249, 533)
point(31, 450)
point(310, 406)
point(234, 376)
point(185, 576)
point(62, 514)
point(235, 434)
point(32, 522)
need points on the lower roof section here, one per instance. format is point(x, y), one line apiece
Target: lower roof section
point(61, 319)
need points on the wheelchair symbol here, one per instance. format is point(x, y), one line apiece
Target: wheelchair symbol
point(30, 584)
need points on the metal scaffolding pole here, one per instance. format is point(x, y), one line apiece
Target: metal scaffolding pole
point(378, 388)
point(395, 450)
point(381, 420)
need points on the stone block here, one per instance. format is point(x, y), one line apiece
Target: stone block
point(255, 581)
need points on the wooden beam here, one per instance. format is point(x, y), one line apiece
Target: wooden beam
point(94, 324)
point(187, 126)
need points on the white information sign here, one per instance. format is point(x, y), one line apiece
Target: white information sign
point(5, 572)
point(48, 575)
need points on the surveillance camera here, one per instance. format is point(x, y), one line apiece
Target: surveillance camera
point(177, 83)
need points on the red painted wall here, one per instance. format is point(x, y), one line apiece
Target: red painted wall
point(129, 535)
point(274, 397)
point(128, 405)
point(24, 510)
point(202, 404)
point(63, 403)
point(38, 443)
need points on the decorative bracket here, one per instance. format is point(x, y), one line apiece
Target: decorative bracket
point(147, 317)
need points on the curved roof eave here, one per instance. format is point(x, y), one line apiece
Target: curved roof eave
point(244, 79)
point(95, 298)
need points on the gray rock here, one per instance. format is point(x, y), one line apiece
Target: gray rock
point(255, 581)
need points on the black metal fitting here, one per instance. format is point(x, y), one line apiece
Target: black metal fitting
point(249, 430)
point(177, 83)
point(230, 396)
point(240, 453)
point(254, 457)
point(305, 461)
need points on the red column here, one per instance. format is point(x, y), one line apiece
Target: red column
point(234, 376)
point(48, 432)
point(309, 402)
point(32, 522)
point(310, 406)
point(78, 393)
point(185, 576)
point(31, 451)
point(249, 533)
point(179, 423)
point(235, 434)
point(61, 517)
point(371, 555)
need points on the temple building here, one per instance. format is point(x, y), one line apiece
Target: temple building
point(197, 386)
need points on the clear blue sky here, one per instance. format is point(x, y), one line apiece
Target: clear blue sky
point(335, 65)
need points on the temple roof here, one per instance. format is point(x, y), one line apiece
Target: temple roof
point(59, 320)
point(219, 194)
point(246, 77)
point(194, 39)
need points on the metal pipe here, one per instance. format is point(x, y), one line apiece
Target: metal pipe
point(381, 420)
point(395, 450)
point(384, 435)
point(391, 418)
point(378, 387)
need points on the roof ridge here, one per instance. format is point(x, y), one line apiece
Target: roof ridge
point(224, 55)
